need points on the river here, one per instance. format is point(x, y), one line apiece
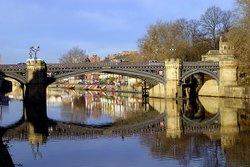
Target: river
point(97, 129)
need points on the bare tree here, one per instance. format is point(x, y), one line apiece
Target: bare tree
point(227, 20)
point(214, 22)
point(243, 9)
point(244, 13)
point(211, 24)
point(74, 55)
point(199, 44)
point(194, 30)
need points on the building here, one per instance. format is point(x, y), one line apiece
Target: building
point(93, 76)
point(121, 56)
point(226, 51)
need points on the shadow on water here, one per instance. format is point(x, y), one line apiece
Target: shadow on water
point(5, 158)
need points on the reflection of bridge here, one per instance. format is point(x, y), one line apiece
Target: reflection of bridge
point(220, 114)
point(227, 116)
point(223, 126)
point(161, 144)
point(23, 130)
point(37, 74)
point(57, 129)
point(174, 121)
point(204, 126)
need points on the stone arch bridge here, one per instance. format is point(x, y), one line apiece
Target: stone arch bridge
point(36, 75)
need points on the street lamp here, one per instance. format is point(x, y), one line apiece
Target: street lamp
point(34, 50)
point(173, 51)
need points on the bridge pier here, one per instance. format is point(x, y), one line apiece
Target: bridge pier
point(174, 125)
point(228, 76)
point(35, 115)
point(173, 74)
point(35, 89)
point(229, 126)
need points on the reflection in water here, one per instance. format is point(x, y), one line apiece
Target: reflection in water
point(191, 150)
point(5, 158)
point(203, 132)
point(92, 107)
point(194, 110)
point(11, 112)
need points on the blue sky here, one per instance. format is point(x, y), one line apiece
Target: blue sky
point(96, 26)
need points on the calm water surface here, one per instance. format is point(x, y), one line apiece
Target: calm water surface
point(204, 132)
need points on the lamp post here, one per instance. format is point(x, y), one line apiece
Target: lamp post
point(173, 51)
point(31, 52)
point(34, 50)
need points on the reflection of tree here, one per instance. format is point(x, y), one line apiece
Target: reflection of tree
point(239, 154)
point(185, 149)
point(194, 109)
point(79, 102)
point(137, 117)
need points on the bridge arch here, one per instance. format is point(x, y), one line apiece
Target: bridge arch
point(204, 71)
point(16, 77)
point(144, 75)
point(215, 120)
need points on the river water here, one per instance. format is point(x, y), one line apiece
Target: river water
point(99, 129)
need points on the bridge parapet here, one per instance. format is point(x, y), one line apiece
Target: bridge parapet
point(15, 71)
point(13, 67)
point(152, 72)
point(205, 64)
point(105, 64)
